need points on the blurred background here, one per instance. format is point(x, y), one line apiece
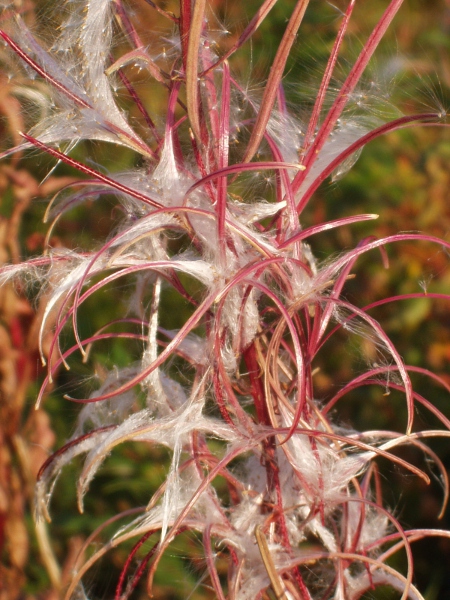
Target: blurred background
point(404, 177)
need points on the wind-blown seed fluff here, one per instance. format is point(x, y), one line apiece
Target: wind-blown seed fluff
point(209, 219)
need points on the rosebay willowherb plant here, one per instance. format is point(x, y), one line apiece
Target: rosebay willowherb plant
point(231, 392)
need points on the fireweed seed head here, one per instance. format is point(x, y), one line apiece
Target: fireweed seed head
point(210, 219)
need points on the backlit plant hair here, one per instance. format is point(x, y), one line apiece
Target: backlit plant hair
point(303, 513)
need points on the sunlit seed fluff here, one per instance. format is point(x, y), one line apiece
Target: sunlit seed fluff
point(259, 469)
